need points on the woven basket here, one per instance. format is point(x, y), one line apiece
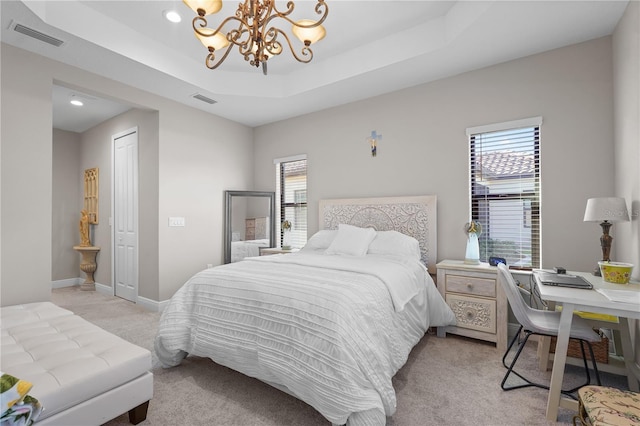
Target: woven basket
point(600, 349)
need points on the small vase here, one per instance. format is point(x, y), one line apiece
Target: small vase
point(286, 240)
point(472, 256)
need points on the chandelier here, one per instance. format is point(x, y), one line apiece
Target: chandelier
point(252, 31)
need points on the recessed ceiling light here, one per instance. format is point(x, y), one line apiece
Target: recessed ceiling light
point(172, 16)
point(75, 101)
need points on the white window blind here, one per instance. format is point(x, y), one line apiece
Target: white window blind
point(505, 192)
point(292, 190)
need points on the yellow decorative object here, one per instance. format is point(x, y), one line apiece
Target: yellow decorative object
point(597, 316)
point(84, 229)
point(91, 190)
point(615, 272)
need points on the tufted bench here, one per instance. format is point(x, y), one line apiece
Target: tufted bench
point(602, 405)
point(81, 374)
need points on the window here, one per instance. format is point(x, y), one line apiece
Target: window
point(505, 190)
point(292, 191)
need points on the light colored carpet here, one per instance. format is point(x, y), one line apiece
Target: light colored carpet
point(451, 381)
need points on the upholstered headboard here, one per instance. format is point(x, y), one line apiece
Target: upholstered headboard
point(414, 216)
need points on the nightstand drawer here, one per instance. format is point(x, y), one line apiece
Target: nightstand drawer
point(473, 313)
point(471, 285)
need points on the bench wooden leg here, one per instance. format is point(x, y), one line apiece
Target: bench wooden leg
point(139, 413)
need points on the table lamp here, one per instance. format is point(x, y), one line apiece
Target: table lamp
point(606, 210)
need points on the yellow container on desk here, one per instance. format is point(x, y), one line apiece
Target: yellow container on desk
point(615, 272)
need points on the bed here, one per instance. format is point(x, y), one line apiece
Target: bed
point(331, 324)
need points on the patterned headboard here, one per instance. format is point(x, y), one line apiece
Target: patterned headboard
point(413, 216)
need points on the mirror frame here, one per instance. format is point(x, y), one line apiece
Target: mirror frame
point(228, 199)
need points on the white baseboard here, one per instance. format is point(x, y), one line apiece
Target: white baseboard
point(69, 282)
point(72, 282)
point(151, 305)
point(104, 289)
point(148, 304)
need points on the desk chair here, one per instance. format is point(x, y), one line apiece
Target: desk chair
point(542, 323)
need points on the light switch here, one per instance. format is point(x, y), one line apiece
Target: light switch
point(176, 221)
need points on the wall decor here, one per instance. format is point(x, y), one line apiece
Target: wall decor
point(91, 188)
point(373, 141)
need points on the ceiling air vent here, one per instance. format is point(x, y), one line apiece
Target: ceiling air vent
point(38, 35)
point(203, 98)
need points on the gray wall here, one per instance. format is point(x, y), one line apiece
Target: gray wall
point(626, 69)
point(190, 158)
point(96, 151)
point(26, 169)
point(626, 136)
point(424, 149)
point(201, 156)
point(66, 205)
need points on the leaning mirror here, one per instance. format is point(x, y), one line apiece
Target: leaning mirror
point(249, 223)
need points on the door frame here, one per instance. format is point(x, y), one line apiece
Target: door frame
point(113, 213)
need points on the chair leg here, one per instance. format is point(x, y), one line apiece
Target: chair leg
point(586, 367)
point(513, 341)
point(513, 362)
point(528, 383)
point(593, 361)
point(584, 361)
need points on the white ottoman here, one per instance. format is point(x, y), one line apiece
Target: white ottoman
point(81, 374)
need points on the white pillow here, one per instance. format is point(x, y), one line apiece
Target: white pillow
point(321, 240)
point(396, 244)
point(351, 240)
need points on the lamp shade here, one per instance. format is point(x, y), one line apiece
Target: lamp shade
point(308, 34)
point(208, 6)
point(217, 41)
point(612, 209)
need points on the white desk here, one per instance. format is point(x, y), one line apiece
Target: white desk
point(591, 301)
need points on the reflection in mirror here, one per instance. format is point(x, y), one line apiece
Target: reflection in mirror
point(249, 223)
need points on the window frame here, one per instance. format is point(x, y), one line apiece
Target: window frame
point(281, 189)
point(531, 215)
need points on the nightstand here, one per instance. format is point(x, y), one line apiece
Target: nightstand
point(477, 300)
point(275, 250)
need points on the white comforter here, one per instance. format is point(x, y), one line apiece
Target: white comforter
point(331, 330)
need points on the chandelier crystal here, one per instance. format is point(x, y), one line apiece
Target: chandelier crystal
point(252, 30)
